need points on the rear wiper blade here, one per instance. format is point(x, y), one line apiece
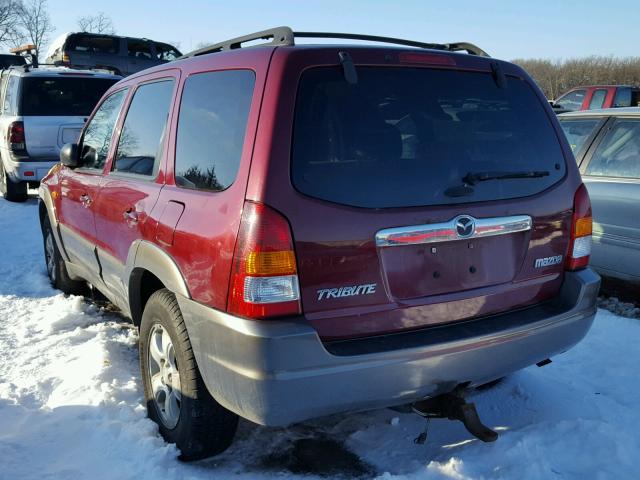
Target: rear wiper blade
point(471, 178)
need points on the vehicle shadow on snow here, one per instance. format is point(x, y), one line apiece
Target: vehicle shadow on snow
point(303, 449)
point(318, 448)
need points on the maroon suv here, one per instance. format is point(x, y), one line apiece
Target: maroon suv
point(301, 230)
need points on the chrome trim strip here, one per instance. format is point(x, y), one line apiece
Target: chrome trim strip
point(446, 231)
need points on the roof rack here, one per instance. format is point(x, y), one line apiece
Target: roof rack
point(284, 36)
point(29, 51)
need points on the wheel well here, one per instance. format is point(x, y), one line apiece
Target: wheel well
point(142, 285)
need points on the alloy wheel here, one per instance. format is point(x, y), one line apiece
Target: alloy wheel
point(164, 376)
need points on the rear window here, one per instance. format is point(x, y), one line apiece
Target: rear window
point(578, 131)
point(416, 137)
point(63, 96)
point(166, 52)
point(626, 97)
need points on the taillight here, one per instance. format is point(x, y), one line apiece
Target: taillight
point(581, 228)
point(264, 277)
point(65, 57)
point(15, 136)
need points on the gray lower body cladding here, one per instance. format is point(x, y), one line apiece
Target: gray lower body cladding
point(280, 372)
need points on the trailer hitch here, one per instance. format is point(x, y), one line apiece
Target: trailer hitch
point(453, 407)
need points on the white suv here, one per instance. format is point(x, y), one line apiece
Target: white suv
point(41, 109)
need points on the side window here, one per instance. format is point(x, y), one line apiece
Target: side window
point(618, 155)
point(572, 100)
point(139, 147)
point(9, 104)
point(597, 99)
point(97, 135)
point(166, 52)
point(139, 48)
point(211, 128)
point(93, 44)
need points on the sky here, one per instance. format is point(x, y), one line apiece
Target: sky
point(505, 29)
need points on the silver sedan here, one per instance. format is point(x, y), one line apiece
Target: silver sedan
point(606, 144)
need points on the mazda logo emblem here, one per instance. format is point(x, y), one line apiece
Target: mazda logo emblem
point(465, 226)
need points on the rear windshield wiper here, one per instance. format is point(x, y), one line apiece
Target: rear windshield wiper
point(471, 178)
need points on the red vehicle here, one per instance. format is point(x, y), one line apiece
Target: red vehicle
point(598, 96)
point(302, 230)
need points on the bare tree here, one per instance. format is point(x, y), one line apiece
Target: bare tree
point(99, 23)
point(557, 76)
point(9, 20)
point(35, 23)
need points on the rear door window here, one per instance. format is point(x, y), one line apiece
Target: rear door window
point(404, 137)
point(618, 154)
point(211, 128)
point(62, 96)
point(93, 44)
point(597, 99)
point(140, 144)
point(578, 131)
point(571, 101)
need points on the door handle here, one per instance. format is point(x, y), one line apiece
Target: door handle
point(130, 216)
point(85, 200)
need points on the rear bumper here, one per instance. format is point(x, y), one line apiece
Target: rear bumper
point(280, 372)
point(22, 169)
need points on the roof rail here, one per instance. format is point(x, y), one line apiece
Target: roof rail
point(278, 36)
point(284, 36)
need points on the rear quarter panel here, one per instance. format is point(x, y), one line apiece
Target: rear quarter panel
point(205, 235)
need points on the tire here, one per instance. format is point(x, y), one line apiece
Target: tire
point(56, 268)
point(185, 411)
point(12, 191)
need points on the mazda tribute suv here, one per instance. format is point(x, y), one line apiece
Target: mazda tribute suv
point(300, 230)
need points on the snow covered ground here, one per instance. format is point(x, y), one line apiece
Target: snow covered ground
point(71, 404)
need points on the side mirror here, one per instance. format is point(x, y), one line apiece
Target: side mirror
point(69, 155)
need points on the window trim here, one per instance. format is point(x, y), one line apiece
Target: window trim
point(111, 161)
point(588, 157)
point(179, 99)
point(99, 171)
